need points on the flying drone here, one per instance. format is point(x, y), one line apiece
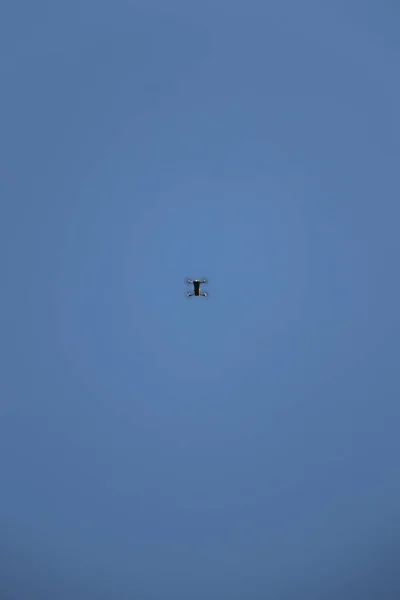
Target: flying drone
point(197, 291)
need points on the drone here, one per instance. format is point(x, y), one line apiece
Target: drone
point(197, 291)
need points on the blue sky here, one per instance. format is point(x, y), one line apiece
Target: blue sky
point(240, 446)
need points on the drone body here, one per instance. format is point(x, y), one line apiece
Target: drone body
point(197, 291)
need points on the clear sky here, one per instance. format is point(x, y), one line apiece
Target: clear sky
point(243, 446)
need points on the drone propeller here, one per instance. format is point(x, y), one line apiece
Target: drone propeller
point(190, 281)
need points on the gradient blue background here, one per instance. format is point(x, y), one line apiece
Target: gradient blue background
point(243, 446)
